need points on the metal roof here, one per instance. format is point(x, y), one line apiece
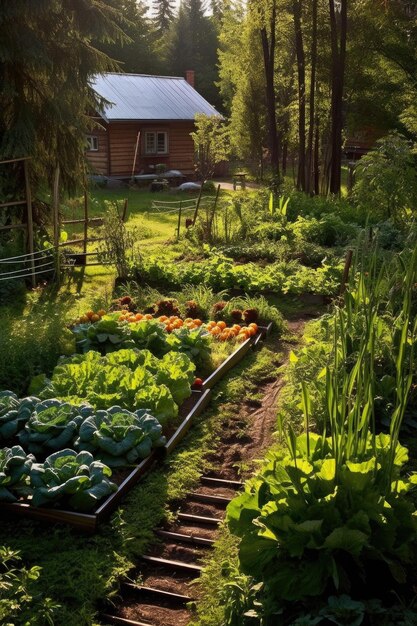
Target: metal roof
point(143, 97)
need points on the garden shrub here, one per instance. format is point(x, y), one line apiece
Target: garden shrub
point(386, 179)
point(328, 230)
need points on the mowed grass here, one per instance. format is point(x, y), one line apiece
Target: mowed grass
point(154, 225)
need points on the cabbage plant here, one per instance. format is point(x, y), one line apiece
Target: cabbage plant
point(15, 466)
point(74, 478)
point(118, 437)
point(14, 413)
point(52, 425)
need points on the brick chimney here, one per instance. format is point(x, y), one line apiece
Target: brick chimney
point(190, 76)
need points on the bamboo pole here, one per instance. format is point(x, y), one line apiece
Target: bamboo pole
point(30, 237)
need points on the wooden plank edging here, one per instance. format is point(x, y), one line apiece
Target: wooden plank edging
point(89, 522)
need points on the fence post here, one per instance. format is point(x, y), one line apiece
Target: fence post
point(30, 221)
point(198, 203)
point(85, 224)
point(55, 205)
point(179, 220)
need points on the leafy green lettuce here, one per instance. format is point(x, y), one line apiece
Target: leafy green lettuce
point(70, 478)
point(15, 466)
point(14, 413)
point(52, 425)
point(118, 437)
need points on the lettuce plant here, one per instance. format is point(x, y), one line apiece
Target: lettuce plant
point(70, 478)
point(52, 425)
point(133, 379)
point(15, 466)
point(14, 413)
point(195, 343)
point(176, 371)
point(118, 437)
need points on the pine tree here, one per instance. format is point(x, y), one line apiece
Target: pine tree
point(47, 60)
point(163, 11)
point(138, 53)
point(192, 44)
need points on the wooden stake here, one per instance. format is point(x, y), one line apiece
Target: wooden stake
point(124, 212)
point(198, 203)
point(214, 209)
point(348, 263)
point(85, 221)
point(136, 153)
point(30, 242)
point(55, 207)
point(179, 220)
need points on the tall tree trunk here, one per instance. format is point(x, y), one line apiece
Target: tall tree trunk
point(316, 166)
point(268, 49)
point(310, 166)
point(284, 158)
point(299, 47)
point(338, 44)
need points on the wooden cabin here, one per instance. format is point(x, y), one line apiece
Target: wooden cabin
point(361, 141)
point(147, 116)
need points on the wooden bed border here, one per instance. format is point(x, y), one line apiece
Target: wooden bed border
point(89, 522)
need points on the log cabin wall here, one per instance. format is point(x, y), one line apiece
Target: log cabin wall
point(98, 159)
point(116, 148)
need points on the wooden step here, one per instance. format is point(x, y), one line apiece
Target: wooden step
point(221, 482)
point(199, 541)
point(198, 519)
point(209, 499)
point(121, 621)
point(157, 594)
point(177, 565)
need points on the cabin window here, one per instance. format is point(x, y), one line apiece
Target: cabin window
point(156, 142)
point(91, 143)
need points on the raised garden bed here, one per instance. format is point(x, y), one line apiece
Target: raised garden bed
point(191, 408)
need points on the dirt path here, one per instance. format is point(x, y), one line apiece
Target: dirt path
point(163, 585)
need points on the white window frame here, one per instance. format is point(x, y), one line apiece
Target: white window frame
point(154, 150)
point(92, 143)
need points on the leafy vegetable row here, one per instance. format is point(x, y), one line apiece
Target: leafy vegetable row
point(74, 479)
point(116, 436)
point(112, 332)
point(220, 272)
point(130, 378)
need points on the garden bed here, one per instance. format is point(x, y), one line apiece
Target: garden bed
point(191, 408)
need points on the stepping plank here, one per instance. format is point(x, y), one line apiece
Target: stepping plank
point(186, 538)
point(159, 594)
point(198, 519)
point(179, 565)
point(114, 619)
point(209, 499)
point(222, 482)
